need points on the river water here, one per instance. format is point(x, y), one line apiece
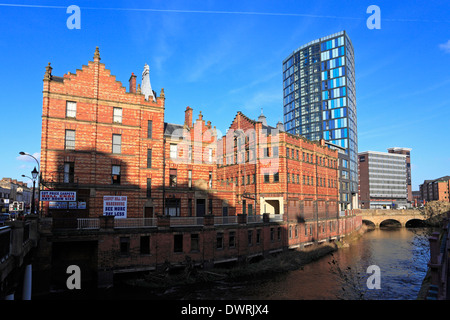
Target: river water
point(401, 254)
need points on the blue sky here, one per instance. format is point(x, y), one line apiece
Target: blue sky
point(221, 57)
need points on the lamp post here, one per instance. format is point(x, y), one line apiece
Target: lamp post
point(34, 178)
point(34, 174)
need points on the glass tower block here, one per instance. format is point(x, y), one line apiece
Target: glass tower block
point(319, 100)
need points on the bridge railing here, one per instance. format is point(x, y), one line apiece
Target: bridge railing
point(5, 243)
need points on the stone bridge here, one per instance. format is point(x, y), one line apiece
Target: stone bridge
point(378, 217)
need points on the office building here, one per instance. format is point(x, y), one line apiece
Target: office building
point(382, 180)
point(320, 103)
point(407, 152)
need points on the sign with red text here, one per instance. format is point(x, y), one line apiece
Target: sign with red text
point(115, 206)
point(58, 195)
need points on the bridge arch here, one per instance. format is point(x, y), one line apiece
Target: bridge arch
point(415, 223)
point(390, 223)
point(370, 224)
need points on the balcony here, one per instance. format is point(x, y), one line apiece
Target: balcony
point(164, 221)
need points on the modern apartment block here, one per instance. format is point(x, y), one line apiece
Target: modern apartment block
point(435, 190)
point(320, 102)
point(382, 180)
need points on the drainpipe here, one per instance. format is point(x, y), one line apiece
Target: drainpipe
point(164, 177)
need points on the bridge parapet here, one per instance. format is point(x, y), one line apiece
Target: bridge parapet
point(378, 216)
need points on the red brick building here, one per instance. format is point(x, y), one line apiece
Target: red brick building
point(254, 191)
point(435, 190)
point(100, 140)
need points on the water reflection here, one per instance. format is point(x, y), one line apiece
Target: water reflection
point(401, 254)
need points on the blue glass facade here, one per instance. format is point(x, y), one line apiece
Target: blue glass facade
point(319, 96)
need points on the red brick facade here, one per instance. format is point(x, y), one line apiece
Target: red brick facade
point(95, 133)
point(100, 140)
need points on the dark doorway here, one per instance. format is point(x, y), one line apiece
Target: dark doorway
point(148, 213)
point(201, 207)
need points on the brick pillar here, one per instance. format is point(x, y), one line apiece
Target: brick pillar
point(242, 219)
point(106, 222)
point(163, 222)
point(208, 220)
point(434, 259)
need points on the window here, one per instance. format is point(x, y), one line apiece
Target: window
point(272, 235)
point(194, 242)
point(190, 207)
point(210, 180)
point(258, 236)
point(232, 239)
point(149, 158)
point(210, 155)
point(276, 177)
point(116, 143)
point(266, 152)
point(70, 140)
point(69, 168)
point(145, 245)
point(172, 207)
point(275, 151)
point(250, 237)
point(219, 240)
point(173, 177)
point(279, 233)
point(190, 153)
point(124, 246)
point(149, 129)
point(149, 188)
point(71, 109)
point(173, 151)
point(266, 178)
point(115, 172)
point(117, 115)
point(190, 178)
point(177, 243)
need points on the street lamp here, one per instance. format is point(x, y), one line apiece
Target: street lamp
point(35, 176)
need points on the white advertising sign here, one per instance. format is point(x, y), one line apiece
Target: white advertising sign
point(115, 206)
point(58, 196)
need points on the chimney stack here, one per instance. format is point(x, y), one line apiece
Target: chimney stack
point(188, 117)
point(132, 83)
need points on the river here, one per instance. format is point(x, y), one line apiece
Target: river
point(401, 254)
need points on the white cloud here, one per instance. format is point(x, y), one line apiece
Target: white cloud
point(445, 46)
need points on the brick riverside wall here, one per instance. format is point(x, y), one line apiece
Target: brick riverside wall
point(273, 237)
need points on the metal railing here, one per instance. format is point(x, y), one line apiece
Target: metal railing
point(88, 223)
point(135, 223)
point(225, 220)
point(255, 219)
point(186, 221)
point(275, 217)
